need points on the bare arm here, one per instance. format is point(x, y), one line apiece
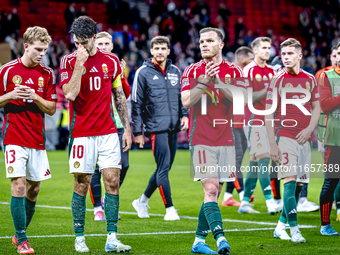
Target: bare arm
point(192, 96)
point(72, 88)
point(121, 106)
point(259, 94)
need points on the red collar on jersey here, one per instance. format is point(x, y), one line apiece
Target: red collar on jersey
point(337, 70)
point(158, 66)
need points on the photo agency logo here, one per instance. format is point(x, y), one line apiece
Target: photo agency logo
point(289, 95)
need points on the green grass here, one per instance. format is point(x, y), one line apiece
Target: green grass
point(187, 197)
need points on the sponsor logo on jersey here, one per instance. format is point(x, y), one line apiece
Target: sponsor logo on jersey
point(76, 164)
point(64, 76)
point(105, 69)
point(10, 169)
point(308, 86)
point(289, 85)
point(258, 77)
point(41, 82)
point(227, 78)
point(155, 77)
point(84, 70)
point(173, 79)
point(185, 82)
point(17, 79)
point(93, 70)
point(29, 81)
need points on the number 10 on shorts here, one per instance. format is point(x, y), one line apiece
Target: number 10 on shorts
point(78, 151)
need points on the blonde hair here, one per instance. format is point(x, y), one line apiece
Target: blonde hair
point(36, 33)
point(291, 42)
point(258, 40)
point(104, 34)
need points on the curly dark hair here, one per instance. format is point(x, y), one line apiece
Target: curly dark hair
point(83, 27)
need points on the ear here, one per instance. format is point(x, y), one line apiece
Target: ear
point(26, 45)
point(151, 51)
point(94, 37)
point(168, 51)
point(300, 55)
point(221, 45)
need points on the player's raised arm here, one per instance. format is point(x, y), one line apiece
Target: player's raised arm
point(72, 88)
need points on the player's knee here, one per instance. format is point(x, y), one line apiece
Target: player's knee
point(33, 192)
point(19, 190)
point(211, 192)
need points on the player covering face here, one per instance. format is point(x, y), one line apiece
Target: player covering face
point(88, 79)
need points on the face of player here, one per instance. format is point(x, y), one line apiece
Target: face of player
point(36, 51)
point(338, 56)
point(248, 59)
point(210, 45)
point(104, 43)
point(263, 51)
point(333, 58)
point(290, 56)
point(88, 44)
point(160, 52)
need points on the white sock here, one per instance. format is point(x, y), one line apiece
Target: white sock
point(227, 195)
point(197, 240)
point(244, 203)
point(281, 225)
point(322, 227)
point(337, 211)
point(97, 209)
point(112, 235)
point(170, 208)
point(80, 237)
point(269, 201)
point(241, 195)
point(219, 240)
point(144, 199)
point(293, 230)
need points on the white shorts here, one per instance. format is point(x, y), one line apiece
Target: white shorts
point(296, 159)
point(86, 152)
point(26, 162)
point(321, 146)
point(258, 140)
point(213, 162)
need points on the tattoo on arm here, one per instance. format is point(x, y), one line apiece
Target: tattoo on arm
point(121, 105)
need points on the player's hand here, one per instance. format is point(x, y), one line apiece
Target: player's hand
point(139, 140)
point(123, 65)
point(20, 92)
point(184, 123)
point(303, 136)
point(82, 55)
point(275, 153)
point(126, 141)
point(211, 70)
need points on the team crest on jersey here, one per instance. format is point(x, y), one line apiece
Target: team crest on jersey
point(258, 77)
point(173, 79)
point(10, 169)
point(203, 169)
point(64, 76)
point(41, 82)
point(270, 75)
point(227, 78)
point(17, 80)
point(308, 86)
point(289, 85)
point(76, 164)
point(105, 69)
point(185, 82)
point(84, 70)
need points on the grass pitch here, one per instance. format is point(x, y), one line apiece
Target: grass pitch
point(51, 230)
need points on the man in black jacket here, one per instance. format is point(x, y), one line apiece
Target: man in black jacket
point(157, 105)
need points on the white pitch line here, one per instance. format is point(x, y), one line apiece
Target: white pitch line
point(162, 215)
point(155, 233)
